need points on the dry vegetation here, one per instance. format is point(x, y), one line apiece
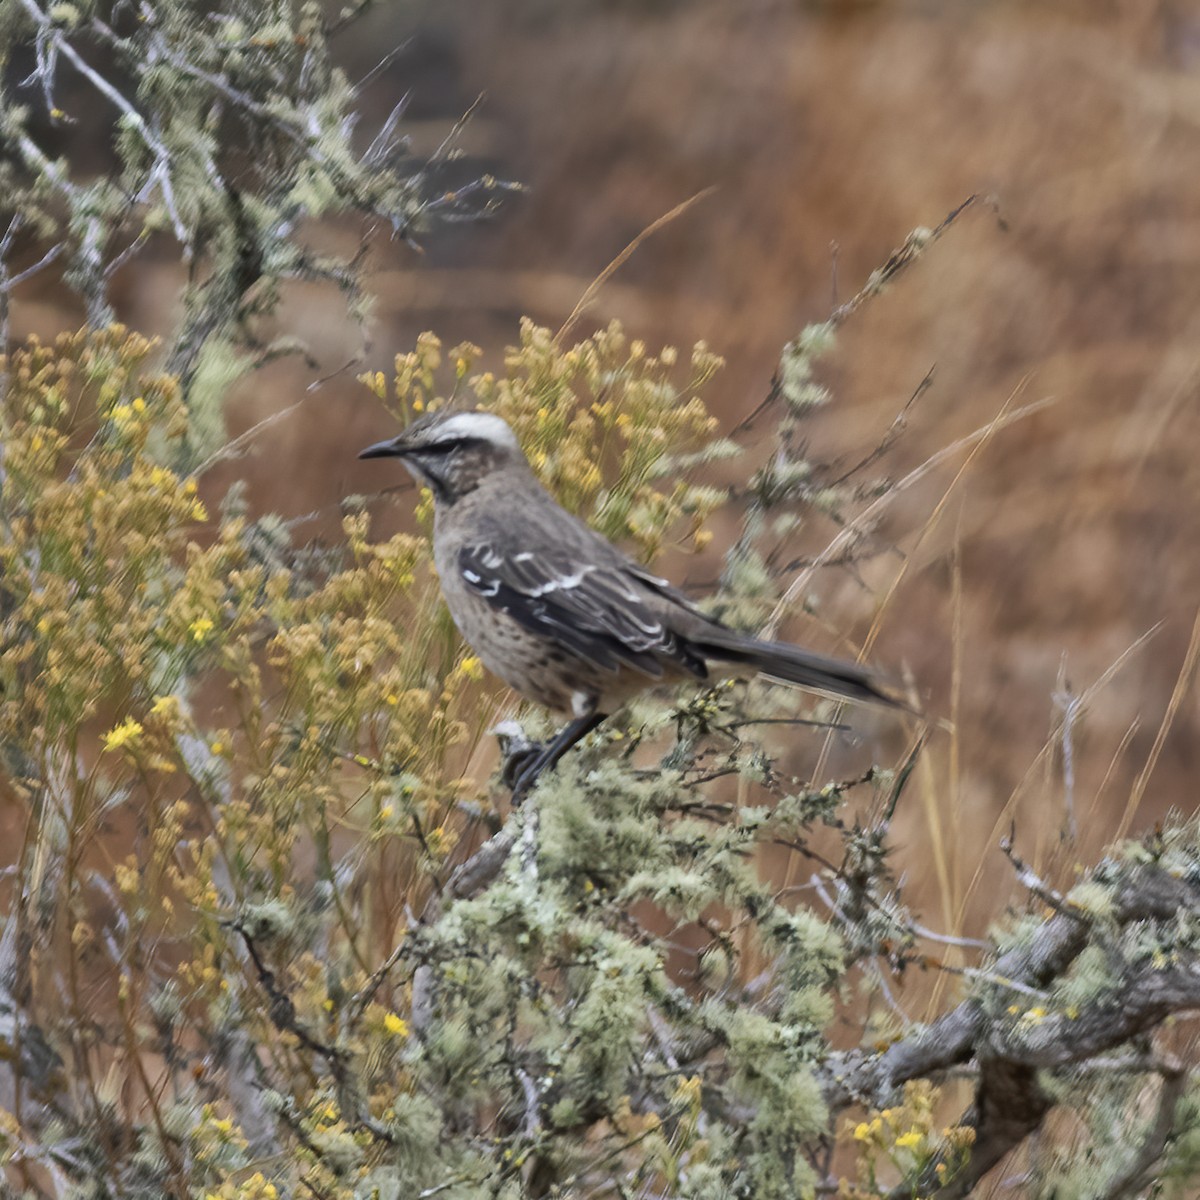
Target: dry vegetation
point(270, 928)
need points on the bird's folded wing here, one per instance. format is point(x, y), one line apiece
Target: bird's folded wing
point(598, 613)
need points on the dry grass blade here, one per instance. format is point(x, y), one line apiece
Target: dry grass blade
point(1005, 816)
point(846, 536)
point(622, 258)
point(1183, 682)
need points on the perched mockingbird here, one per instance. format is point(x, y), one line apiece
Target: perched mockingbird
point(560, 614)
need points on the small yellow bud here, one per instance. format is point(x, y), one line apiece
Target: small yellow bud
point(125, 734)
point(396, 1025)
point(200, 628)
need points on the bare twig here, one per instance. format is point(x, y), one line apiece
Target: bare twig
point(1071, 706)
point(1031, 881)
point(1136, 1174)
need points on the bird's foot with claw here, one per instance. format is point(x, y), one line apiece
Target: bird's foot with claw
point(517, 766)
point(520, 756)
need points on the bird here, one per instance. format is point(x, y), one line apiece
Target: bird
point(559, 613)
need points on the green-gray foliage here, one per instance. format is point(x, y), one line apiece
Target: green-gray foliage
point(231, 125)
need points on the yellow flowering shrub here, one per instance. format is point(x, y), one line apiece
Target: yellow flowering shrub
point(242, 765)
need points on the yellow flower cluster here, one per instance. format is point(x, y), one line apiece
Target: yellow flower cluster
point(395, 1025)
point(256, 1187)
point(906, 1137)
point(602, 422)
point(127, 734)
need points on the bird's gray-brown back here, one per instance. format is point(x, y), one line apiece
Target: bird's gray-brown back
point(524, 579)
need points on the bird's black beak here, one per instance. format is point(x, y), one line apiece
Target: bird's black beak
point(392, 448)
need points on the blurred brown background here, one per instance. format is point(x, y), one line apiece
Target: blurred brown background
point(1071, 534)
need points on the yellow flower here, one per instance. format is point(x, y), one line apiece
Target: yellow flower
point(121, 735)
point(396, 1025)
point(910, 1140)
point(127, 878)
point(199, 512)
point(200, 628)
point(418, 405)
point(862, 1131)
point(472, 668)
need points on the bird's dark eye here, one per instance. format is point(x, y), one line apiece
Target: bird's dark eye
point(450, 444)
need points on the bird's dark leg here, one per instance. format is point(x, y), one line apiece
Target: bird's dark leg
point(516, 760)
point(566, 737)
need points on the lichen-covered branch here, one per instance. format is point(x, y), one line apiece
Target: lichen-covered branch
point(1127, 908)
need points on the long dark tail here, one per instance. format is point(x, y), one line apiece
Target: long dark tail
point(782, 660)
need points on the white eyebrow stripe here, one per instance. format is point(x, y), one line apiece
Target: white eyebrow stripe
point(483, 425)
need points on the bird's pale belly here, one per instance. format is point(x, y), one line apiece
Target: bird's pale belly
point(541, 669)
point(541, 672)
point(547, 674)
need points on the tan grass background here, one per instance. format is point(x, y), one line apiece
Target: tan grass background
point(1067, 537)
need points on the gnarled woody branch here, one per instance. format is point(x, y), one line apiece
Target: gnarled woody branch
point(1009, 1102)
